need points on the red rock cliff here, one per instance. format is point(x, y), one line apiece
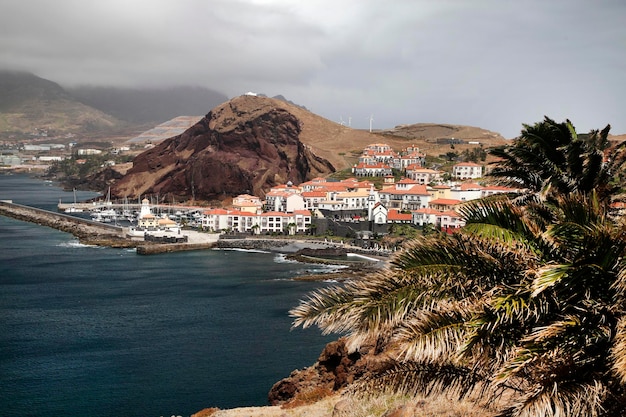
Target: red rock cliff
point(245, 145)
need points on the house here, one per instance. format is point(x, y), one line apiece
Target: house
point(422, 175)
point(496, 189)
point(285, 201)
point(248, 203)
point(444, 204)
point(396, 216)
point(440, 191)
point(467, 170)
point(406, 194)
point(450, 220)
point(312, 199)
point(425, 216)
point(378, 169)
point(466, 191)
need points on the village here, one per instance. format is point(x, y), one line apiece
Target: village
point(353, 207)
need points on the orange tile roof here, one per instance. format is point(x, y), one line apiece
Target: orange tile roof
point(445, 202)
point(396, 215)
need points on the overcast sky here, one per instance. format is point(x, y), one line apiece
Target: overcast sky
point(490, 63)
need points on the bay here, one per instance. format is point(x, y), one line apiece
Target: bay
point(106, 332)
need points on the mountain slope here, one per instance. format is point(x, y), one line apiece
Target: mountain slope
point(149, 105)
point(246, 145)
point(28, 102)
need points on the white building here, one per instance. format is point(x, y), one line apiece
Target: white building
point(467, 170)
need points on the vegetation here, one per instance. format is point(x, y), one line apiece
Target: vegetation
point(552, 157)
point(89, 164)
point(525, 306)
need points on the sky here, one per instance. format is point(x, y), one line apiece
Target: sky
point(495, 64)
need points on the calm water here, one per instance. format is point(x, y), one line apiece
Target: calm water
point(87, 331)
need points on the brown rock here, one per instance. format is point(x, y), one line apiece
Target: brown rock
point(335, 369)
point(343, 408)
point(207, 412)
point(248, 144)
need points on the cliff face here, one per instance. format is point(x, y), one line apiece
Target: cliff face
point(245, 145)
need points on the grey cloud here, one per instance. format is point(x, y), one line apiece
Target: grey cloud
point(486, 63)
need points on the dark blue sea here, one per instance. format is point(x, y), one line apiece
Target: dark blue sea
point(91, 331)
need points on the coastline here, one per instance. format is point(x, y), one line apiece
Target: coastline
point(304, 249)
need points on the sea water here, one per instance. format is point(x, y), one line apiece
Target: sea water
point(92, 331)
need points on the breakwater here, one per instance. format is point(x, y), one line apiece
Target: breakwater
point(87, 231)
point(171, 247)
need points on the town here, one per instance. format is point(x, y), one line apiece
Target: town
point(369, 204)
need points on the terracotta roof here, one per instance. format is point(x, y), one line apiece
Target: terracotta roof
point(427, 211)
point(445, 202)
point(316, 193)
point(467, 164)
point(396, 215)
point(470, 186)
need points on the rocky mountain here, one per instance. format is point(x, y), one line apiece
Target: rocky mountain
point(247, 144)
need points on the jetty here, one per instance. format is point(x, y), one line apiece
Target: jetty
point(102, 234)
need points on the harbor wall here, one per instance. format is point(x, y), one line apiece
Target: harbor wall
point(86, 230)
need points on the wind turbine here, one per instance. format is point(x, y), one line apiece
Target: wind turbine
point(371, 120)
point(349, 121)
point(341, 120)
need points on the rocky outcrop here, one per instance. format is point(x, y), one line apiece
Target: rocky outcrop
point(245, 145)
point(335, 369)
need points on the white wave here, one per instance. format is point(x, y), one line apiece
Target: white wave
point(76, 244)
point(281, 258)
point(358, 255)
point(244, 250)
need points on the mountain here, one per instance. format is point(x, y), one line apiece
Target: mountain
point(246, 145)
point(29, 103)
point(149, 105)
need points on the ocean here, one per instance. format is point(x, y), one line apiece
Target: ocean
point(92, 331)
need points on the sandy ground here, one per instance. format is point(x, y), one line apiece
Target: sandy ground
point(322, 408)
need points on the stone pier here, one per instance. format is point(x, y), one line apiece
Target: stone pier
point(86, 231)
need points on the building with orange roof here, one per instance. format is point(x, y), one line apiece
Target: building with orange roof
point(405, 194)
point(423, 175)
point(444, 204)
point(450, 220)
point(396, 216)
point(218, 220)
point(467, 170)
point(379, 169)
point(497, 189)
point(246, 202)
point(425, 216)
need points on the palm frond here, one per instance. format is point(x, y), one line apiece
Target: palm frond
point(549, 276)
point(436, 334)
point(424, 378)
point(618, 351)
point(559, 400)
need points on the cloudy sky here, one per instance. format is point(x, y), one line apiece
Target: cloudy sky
point(495, 64)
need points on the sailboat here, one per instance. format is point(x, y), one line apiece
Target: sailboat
point(105, 214)
point(73, 208)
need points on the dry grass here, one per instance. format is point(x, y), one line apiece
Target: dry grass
point(374, 406)
point(341, 145)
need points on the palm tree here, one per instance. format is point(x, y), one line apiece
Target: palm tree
point(525, 304)
point(551, 156)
